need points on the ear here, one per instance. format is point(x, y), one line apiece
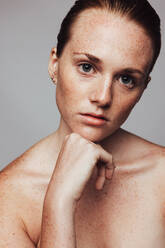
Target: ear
point(53, 65)
point(147, 81)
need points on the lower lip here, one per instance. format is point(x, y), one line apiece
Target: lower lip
point(91, 120)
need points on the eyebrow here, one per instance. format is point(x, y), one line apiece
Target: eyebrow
point(90, 57)
point(132, 70)
point(98, 61)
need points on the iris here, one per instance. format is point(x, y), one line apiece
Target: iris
point(126, 79)
point(86, 67)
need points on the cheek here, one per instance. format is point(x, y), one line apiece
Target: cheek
point(63, 88)
point(125, 104)
point(67, 94)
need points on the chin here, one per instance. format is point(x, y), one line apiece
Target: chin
point(93, 134)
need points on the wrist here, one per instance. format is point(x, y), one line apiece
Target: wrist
point(59, 204)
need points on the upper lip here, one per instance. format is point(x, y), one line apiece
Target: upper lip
point(96, 115)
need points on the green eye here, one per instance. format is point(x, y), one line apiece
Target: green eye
point(126, 79)
point(86, 67)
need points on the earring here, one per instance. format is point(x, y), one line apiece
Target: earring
point(53, 79)
point(149, 78)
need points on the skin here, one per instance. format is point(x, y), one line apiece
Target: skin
point(51, 195)
point(101, 90)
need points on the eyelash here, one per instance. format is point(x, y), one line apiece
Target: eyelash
point(128, 86)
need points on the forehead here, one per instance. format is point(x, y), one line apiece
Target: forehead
point(102, 33)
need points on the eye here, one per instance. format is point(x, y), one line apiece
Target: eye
point(127, 80)
point(86, 67)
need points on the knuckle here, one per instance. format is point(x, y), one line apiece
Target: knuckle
point(73, 136)
point(89, 146)
point(93, 148)
point(98, 149)
point(78, 138)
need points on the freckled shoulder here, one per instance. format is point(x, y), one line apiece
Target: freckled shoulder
point(14, 202)
point(23, 184)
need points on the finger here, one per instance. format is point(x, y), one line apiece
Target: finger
point(110, 170)
point(100, 178)
point(109, 173)
point(106, 158)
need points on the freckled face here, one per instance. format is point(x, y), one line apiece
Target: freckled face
point(103, 69)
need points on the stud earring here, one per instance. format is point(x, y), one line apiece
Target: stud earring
point(54, 80)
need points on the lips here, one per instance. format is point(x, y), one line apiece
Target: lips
point(93, 119)
point(96, 116)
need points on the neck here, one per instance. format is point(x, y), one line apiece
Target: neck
point(61, 133)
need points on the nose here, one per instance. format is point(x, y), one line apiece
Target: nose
point(102, 94)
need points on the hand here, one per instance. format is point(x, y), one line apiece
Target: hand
point(75, 165)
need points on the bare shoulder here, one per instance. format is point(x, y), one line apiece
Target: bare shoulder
point(14, 202)
point(144, 161)
point(147, 153)
point(131, 148)
point(23, 185)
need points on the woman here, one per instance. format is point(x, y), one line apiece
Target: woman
point(91, 183)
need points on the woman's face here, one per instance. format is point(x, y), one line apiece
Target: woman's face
point(103, 70)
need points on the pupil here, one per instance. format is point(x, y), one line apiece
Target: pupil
point(126, 79)
point(86, 67)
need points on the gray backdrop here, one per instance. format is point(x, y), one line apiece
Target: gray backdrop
point(27, 97)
